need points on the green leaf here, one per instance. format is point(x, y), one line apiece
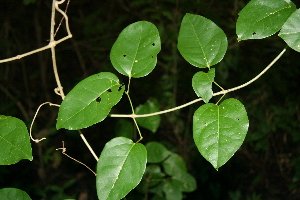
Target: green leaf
point(187, 182)
point(219, 131)
point(174, 164)
point(262, 18)
point(152, 177)
point(172, 190)
point(290, 31)
point(134, 53)
point(156, 152)
point(120, 168)
point(13, 193)
point(90, 101)
point(202, 84)
point(150, 123)
point(201, 42)
point(14, 141)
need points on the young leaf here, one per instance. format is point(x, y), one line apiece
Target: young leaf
point(14, 141)
point(120, 168)
point(262, 18)
point(202, 84)
point(90, 101)
point(134, 53)
point(156, 152)
point(219, 131)
point(150, 123)
point(201, 42)
point(13, 193)
point(290, 31)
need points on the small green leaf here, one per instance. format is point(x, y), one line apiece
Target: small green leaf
point(202, 84)
point(14, 141)
point(262, 18)
point(134, 53)
point(13, 193)
point(201, 42)
point(156, 152)
point(152, 177)
point(174, 164)
point(172, 190)
point(120, 168)
point(90, 101)
point(187, 181)
point(219, 131)
point(290, 31)
point(150, 123)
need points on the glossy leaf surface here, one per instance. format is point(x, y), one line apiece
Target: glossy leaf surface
point(150, 123)
point(90, 101)
point(120, 168)
point(201, 42)
point(134, 53)
point(290, 31)
point(202, 84)
point(262, 18)
point(13, 194)
point(14, 141)
point(219, 131)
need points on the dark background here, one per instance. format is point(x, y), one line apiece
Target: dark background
point(267, 166)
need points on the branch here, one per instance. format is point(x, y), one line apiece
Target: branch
point(200, 99)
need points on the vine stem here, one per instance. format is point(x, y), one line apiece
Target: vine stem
point(200, 99)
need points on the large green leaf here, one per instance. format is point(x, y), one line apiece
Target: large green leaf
point(150, 123)
point(262, 18)
point(90, 101)
point(14, 141)
point(201, 42)
point(290, 31)
point(134, 53)
point(219, 131)
point(202, 84)
point(156, 152)
point(120, 168)
point(13, 194)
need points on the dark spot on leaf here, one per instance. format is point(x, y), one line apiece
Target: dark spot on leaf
point(254, 33)
point(152, 56)
point(153, 44)
point(109, 90)
point(238, 119)
point(124, 55)
point(98, 99)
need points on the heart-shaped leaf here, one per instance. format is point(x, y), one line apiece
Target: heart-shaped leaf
point(90, 101)
point(290, 31)
point(14, 141)
point(150, 123)
point(120, 168)
point(202, 84)
point(201, 42)
point(134, 53)
point(262, 18)
point(219, 131)
point(13, 193)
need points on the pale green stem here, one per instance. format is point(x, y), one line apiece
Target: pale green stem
point(200, 99)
